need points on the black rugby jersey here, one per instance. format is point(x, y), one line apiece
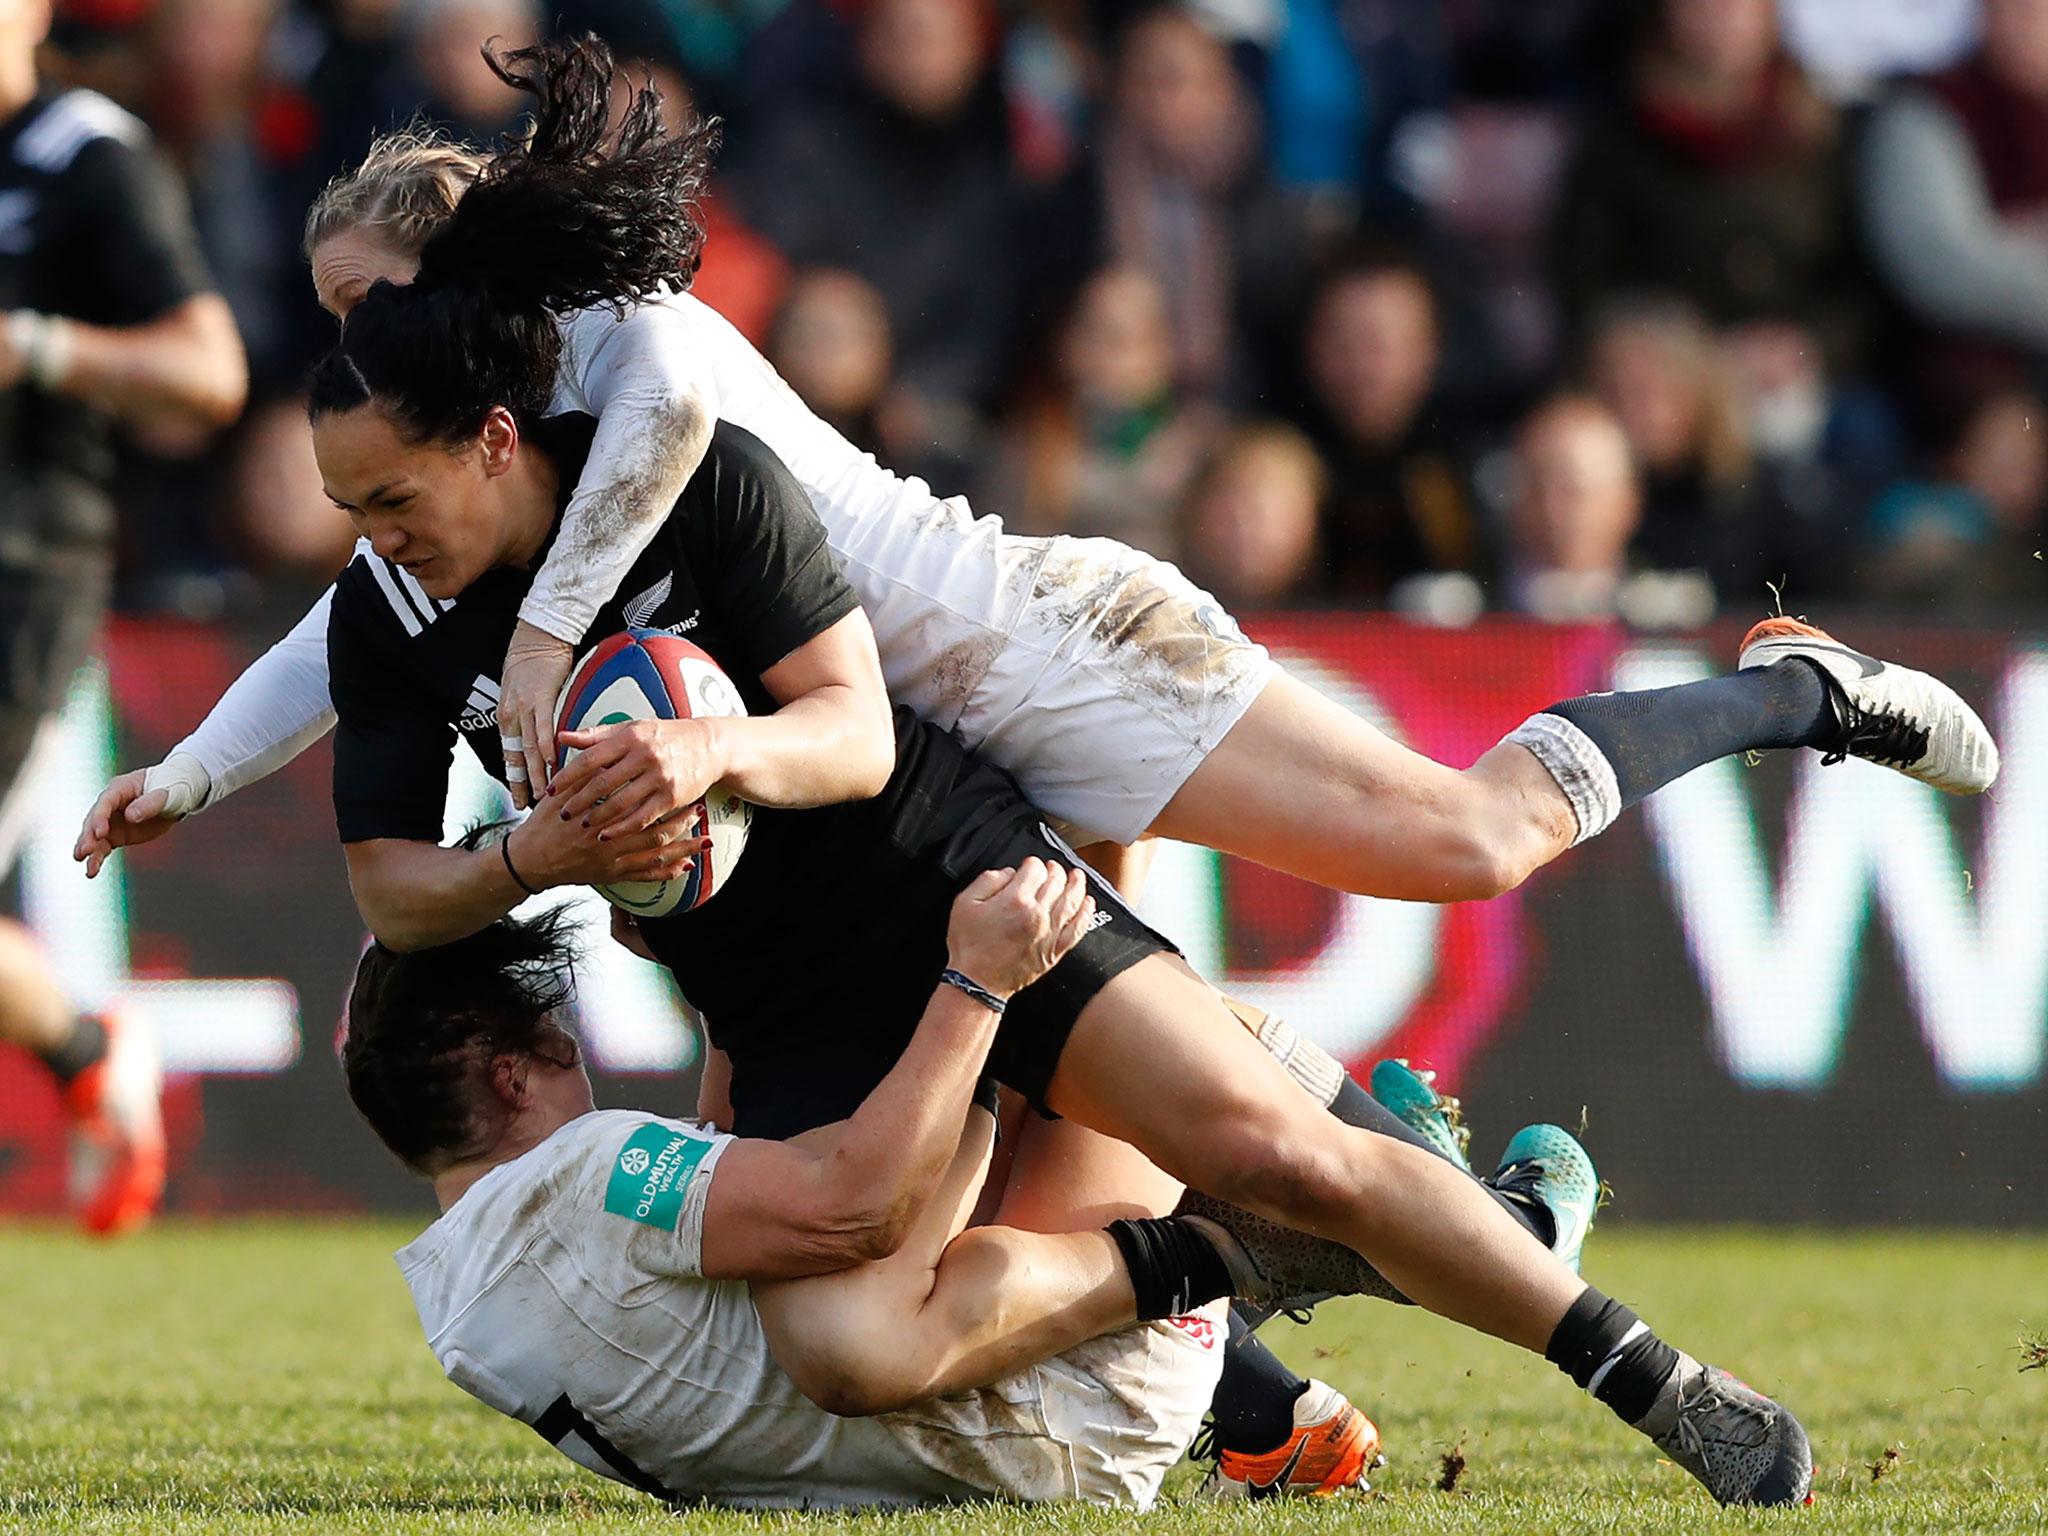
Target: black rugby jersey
point(827, 903)
point(93, 226)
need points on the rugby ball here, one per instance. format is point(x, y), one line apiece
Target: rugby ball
point(647, 674)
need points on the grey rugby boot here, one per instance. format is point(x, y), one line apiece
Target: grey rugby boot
point(1278, 1267)
point(1744, 1447)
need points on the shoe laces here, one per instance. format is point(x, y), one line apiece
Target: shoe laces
point(1204, 1447)
point(1708, 1401)
point(1887, 738)
point(1524, 1177)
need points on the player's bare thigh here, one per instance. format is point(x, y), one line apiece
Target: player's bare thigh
point(1064, 1177)
point(1303, 785)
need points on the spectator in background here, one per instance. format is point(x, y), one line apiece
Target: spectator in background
point(1955, 200)
point(1718, 175)
point(1968, 541)
point(1574, 509)
point(1249, 528)
point(444, 80)
point(903, 177)
point(742, 275)
point(1176, 186)
point(1108, 449)
point(282, 524)
point(830, 341)
point(209, 75)
point(1655, 365)
point(1400, 501)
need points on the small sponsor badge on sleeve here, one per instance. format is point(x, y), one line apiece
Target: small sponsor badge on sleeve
point(651, 1175)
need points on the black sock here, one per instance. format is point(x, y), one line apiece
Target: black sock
point(1608, 1350)
point(1354, 1106)
point(1254, 1403)
point(1655, 736)
point(82, 1048)
point(1174, 1267)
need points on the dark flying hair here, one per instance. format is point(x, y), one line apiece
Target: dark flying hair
point(572, 214)
point(425, 1027)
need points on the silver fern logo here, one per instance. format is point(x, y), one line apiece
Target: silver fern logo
point(639, 613)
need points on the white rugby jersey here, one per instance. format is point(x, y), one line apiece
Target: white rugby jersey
point(564, 1289)
point(942, 588)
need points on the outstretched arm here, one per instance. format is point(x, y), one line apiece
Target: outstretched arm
point(852, 1192)
point(655, 410)
point(270, 714)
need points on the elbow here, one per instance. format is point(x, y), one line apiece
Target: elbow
point(875, 1231)
point(872, 761)
point(219, 401)
point(866, 1220)
point(875, 769)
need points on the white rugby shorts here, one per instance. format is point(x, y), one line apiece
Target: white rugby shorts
point(1118, 677)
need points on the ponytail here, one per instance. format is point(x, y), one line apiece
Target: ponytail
point(577, 213)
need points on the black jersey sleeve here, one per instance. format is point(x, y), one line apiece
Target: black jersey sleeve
point(137, 231)
point(392, 746)
point(760, 551)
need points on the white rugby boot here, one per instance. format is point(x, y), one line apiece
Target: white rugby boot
point(1888, 714)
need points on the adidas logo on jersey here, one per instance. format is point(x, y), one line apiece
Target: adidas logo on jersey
point(480, 713)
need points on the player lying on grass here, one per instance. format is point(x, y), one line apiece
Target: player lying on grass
point(578, 1279)
point(820, 948)
point(583, 1277)
point(1123, 698)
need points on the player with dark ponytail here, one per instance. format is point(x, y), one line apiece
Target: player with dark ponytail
point(573, 215)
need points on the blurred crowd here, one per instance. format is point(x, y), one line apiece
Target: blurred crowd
point(1578, 309)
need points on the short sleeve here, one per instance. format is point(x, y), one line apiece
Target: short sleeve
point(138, 230)
point(769, 566)
point(657, 1185)
point(392, 748)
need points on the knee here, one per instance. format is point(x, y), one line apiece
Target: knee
point(1485, 865)
point(1489, 842)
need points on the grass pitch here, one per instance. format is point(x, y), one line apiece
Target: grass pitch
point(268, 1377)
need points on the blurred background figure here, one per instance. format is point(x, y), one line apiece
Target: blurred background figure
point(1106, 448)
point(1955, 200)
point(444, 80)
point(1249, 527)
point(1175, 184)
point(1968, 537)
point(1717, 174)
point(1574, 509)
point(1399, 501)
point(279, 518)
point(901, 174)
point(1655, 366)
